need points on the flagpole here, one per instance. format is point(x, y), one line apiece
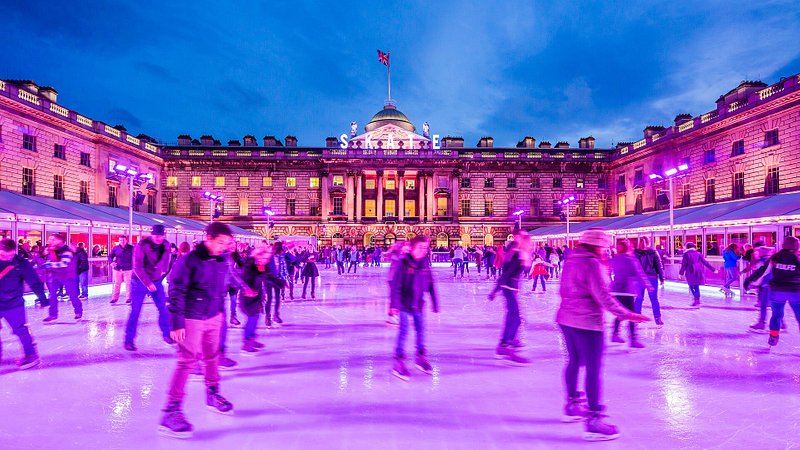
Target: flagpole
point(389, 68)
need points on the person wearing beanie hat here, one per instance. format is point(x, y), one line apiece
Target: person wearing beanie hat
point(585, 295)
point(693, 267)
point(784, 284)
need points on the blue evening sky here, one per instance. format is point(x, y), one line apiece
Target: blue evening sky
point(555, 70)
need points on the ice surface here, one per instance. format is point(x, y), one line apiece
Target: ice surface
point(324, 379)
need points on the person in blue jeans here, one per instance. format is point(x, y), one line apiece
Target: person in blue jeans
point(784, 284)
point(654, 271)
point(256, 276)
point(730, 258)
point(151, 259)
point(82, 266)
point(693, 268)
point(412, 280)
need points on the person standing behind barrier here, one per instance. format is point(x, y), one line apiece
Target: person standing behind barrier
point(82, 268)
point(151, 258)
point(653, 269)
point(693, 267)
point(730, 258)
point(61, 273)
point(120, 258)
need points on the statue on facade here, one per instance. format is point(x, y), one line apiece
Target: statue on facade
point(353, 129)
point(426, 130)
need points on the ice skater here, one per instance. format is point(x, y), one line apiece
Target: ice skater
point(693, 267)
point(412, 280)
point(628, 279)
point(759, 261)
point(784, 285)
point(654, 270)
point(14, 272)
point(540, 272)
point(730, 261)
point(254, 275)
point(396, 254)
point(310, 274)
point(197, 311)
point(120, 258)
point(151, 258)
point(518, 258)
point(277, 266)
point(61, 273)
point(585, 295)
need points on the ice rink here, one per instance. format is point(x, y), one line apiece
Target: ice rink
point(324, 382)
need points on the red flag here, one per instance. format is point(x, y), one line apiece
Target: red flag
point(383, 58)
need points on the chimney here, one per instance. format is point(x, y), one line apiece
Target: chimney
point(621, 145)
point(49, 93)
point(270, 141)
point(562, 144)
point(250, 141)
point(331, 142)
point(527, 142)
point(184, 139)
point(291, 141)
point(121, 128)
point(207, 140)
point(145, 138)
point(589, 141)
point(196, 142)
point(234, 143)
point(453, 142)
point(652, 130)
point(545, 144)
point(680, 119)
point(486, 141)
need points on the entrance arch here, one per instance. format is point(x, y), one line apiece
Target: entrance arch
point(369, 240)
point(442, 240)
point(410, 235)
point(488, 240)
point(466, 240)
point(389, 239)
point(337, 239)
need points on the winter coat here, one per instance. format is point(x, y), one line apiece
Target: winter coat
point(498, 259)
point(254, 277)
point(278, 263)
point(123, 256)
point(459, 253)
point(513, 269)
point(585, 293)
point(650, 262)
point(61, 264)
point(151, 261)
point(81, 261)
point(198, 288)
point(354, 256)
point(729, 259)
point(488, 258)
point(540, 268)
point(412, 279)
point(693, 267)
point(784, 268)
point(11, 285)
point(758, 277)
point(310, 270)
point(629, 277)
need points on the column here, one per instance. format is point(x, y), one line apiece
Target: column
point(359, 195)
point(379, 182)
point(349, 196)
point(401, 197)
point(431, 201)
point(325, 200)
point(454, 201)
point(421, 194)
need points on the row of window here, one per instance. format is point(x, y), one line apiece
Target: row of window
point(59, 151)
point(511, 183)
point(313, 182)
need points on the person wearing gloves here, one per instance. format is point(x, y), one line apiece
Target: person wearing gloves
point(585, 295)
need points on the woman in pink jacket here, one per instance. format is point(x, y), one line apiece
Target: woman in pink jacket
point(585, 295)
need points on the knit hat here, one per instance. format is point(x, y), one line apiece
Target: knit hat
point(791, 243)
point(596, 237)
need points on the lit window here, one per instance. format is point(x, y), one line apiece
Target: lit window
point(389, 208)
point(313, 182)
point(411, 184)
point(111, 164)
point(370, 184)
point(244, 182)
point(390, 184)
point(244, 204)
point(338, 180)
point(291, 182)
point(196, 181)
point(266, 181)
point(579, 183)
point(172, 181)
point(219, 181)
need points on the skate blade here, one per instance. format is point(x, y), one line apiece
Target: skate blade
point(421, 369)
point(249, 354)
point(30, 365)
point(757, 331)
point(571, 419)
point(166, 432)
point(400, 376)
point(215, 410)
point(596, 437)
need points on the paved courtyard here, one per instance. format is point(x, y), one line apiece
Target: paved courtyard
point(323, 380)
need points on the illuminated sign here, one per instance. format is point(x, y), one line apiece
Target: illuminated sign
point(371, 141)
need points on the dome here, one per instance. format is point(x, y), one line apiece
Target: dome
point(389, 115)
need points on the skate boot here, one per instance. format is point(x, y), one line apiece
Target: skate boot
point(130, 347)
point(597, 429)
point(248, 348)
point(217, 403)
point(226, 363)
point(773, 339)
point(28, 362)
point(257, 344)
point(511, 356)
point(659, 322)
point(49, 319)
point(78, 317)
point(278, 319)
point(268, 322)
point(235, 321)
point(174, 423)
point(574, 410)
point(400, 370)
point(758, 327)
point(422, 364)
point(617, 338)
point(636, 344)
point(695, 304)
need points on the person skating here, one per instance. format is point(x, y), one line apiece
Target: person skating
point(458, 261)
point(277, 266)
point(197, 309)
point(757, 278)
point(120, 258)
point(14, 271)
point(396, 254)
point(693, 267)
point(354, 258)
point(255, 276)
point(488, 259)
point(730, 261)
point(585, 295)
point(650, 261)
point(412, 280)
point(499, 259)
point(61, 273)
point(82, 268)
point(518, 258)
point(238, 261)
point(151, 258)
point(628, 279)
point(310, 274)
point(784, 285)
point(539, 273)
point(339, 255)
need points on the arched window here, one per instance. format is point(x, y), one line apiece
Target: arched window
point(369, 240)
point(442, 240)
point(488, 240)
point(389, 239)
point(466, 240)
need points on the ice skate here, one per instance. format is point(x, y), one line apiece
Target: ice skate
point(217, 403)
point(636, 344)
point(617, 338)
point(226, 363)
point(695, 304)
point(28, 362)
point(248, 348)
point(575, 409)
point(511, 356)
point(659, 322)
point(422, 364)
point(174, 423)
point(758, 327)
point(235, 321)
point(597, 429)
point(50, 319)
point(400, 370)
point(773, 340)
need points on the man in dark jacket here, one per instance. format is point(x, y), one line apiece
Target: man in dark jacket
point(61, 272)
point(409, 284)
point(651, 264)
point(82, 266)
point(120, 258)
point(14, 270)
point(197, 294)
point(784, 284)
point(151, 258)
